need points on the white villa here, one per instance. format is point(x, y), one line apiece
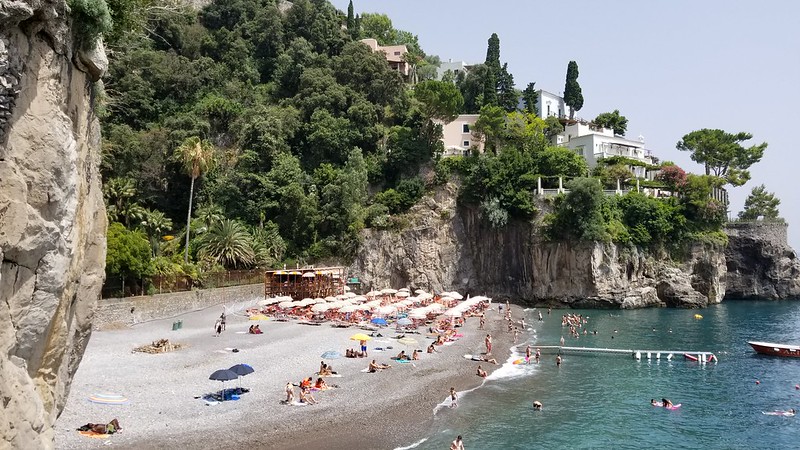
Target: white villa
point(549, 104)
point(453, 66)
point(595, 143)
point(457, 135)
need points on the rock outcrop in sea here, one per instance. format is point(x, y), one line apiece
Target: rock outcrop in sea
point(447, 246)
point(52, 218)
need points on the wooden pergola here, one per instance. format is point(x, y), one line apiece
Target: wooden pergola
point(305, 283)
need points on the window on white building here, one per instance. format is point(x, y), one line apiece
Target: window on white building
point(579, 150)
point(466, 143)
point(397, 53)
point(465, 128)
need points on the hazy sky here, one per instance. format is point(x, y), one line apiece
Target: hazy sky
point(669, 67)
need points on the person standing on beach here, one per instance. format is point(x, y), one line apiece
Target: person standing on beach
point(458, 444)
point(516, 334)
point(364, 348)
point(528, 354)
point(289, 392)
point(218, 328)
point(488, 342)
point(483, 321)
point(222, 318)
point(453, 398)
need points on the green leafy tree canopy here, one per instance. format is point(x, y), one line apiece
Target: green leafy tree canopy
point(722, 153)
point(573, 96)
point(614, 121)
point(760, 203)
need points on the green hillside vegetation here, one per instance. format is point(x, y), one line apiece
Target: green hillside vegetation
point(287, 137)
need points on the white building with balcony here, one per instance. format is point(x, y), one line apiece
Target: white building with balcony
point(595, 143)
point(458, 136)
point(453, 66)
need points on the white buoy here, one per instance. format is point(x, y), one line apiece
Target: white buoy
point(638, 355)
point(669, 357)
point(648, 355)
point(658, 355)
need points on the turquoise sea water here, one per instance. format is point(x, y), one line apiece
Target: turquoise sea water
point(602, 401)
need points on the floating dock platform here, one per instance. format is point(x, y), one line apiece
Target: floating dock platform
point(701, 357)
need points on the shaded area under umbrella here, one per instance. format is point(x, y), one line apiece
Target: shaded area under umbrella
point(242, 370)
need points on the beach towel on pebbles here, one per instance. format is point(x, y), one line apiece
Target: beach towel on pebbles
point(92, 434)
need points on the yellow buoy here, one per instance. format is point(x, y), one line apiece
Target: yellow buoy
point(698, 316)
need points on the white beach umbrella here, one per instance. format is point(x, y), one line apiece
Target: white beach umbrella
point(403, 294)
point(341, 296)
point(388, 309)
point(359, 298)
point(453, 312)
point(348, 308)
point(285, 305)
point(347, 288)
point(435, 307)
point(373, 303)
point(420, 291)
point(456, 295)
point(373, 293)
point(403, 289)
point(418, 314)
point(321, 307)
point(350, 295)
point(447, 299)
point(364, 307)
point(388, 291)
point(425, 296)
point(478, 299)
point(331, 299)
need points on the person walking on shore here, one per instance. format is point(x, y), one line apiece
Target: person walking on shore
point(453, 398)
point(458, 444)
point(488, 342)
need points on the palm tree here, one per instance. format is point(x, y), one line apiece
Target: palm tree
point(155, 224)
point(118, 194)
point(197, 157)
point(228, 243)
point(268, 245)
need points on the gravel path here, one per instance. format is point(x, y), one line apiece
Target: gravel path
point(367, 410)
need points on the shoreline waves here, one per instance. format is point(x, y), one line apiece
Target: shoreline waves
point(389, 409)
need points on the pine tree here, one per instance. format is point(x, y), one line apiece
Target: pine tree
point(530, 98)
point(507, 96)
point(572, 90)
point(760, 203)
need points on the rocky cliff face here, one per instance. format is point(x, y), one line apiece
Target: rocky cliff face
point(760, 262)
point(52, 218)
point(449, 247)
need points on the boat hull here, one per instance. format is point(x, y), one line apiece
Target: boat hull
point(771, 349)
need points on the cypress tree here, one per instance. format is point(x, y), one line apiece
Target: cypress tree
point(572, 90)
point(493, 73)
point(351, 21)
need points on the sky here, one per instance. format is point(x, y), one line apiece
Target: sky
point(669, 67)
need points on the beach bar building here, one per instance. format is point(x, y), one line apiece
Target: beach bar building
point(305, 283)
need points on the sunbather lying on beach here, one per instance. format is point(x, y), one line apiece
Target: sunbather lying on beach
point(102, 428)
point(374, 367)
point(402, 356)
point(481, 373)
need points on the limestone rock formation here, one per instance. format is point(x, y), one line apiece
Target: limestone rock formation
point(760, 262)
point(52, 218)
point(450, 247)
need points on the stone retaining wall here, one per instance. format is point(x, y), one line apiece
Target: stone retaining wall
point(131, 310)
point(773, 232)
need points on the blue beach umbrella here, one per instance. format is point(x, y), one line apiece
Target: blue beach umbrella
point(379, 321)
point(405, 321)
point(223, 375)
point(331, 354)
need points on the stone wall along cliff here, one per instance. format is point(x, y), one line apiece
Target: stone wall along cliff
point(52, 218)
point(760, 262)
point(451, 247)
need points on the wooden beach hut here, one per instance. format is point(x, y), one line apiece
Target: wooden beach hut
point(315, 282)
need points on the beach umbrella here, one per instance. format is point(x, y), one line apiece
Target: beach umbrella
point(388, 291)
point(350, 295)
point(322, 307)
point(360, 298)
point(348, 309)
point(331, 299)
point(403, 289)
point(373, 293)
point(420, 291)
point(242, 369)
point(388, 309)
point(360, 337)
point(379, 321)
point(347, 288)
point(453, 312)
point(331, 354)
point(405, 321)
point(403, 294)
point(223, 375)
point(285, 305)
point(447, 298)
point(456, 295)
point(435, 307)
point(264, 302)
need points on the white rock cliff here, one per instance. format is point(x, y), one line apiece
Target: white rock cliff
point(52, 218)
point(449, 247)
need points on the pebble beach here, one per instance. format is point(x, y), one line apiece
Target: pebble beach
point(384, 410)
